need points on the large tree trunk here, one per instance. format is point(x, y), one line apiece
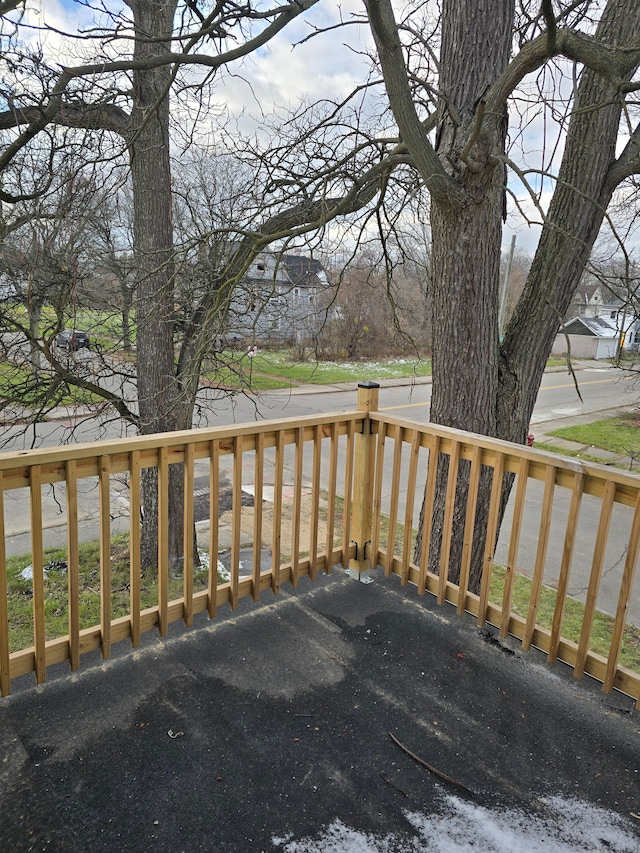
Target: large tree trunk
point(466, 254)
point(160, 408)
point(584, 189)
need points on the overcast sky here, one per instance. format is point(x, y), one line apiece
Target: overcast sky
point(326, 66)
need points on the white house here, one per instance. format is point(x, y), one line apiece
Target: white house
point(602, 323)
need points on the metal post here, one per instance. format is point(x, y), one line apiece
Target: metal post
point(362, 506)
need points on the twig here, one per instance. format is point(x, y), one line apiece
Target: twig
point(429, 766)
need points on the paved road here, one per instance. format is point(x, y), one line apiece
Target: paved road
point(601, 389)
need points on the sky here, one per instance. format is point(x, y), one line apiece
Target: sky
point(328, 66)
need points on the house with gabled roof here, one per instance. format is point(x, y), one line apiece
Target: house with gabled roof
point(282, 298)
point(601, 324)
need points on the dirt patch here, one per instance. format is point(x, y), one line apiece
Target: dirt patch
point(286, 525)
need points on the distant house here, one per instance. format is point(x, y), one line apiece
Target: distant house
point(282, 298)
point(601, 322)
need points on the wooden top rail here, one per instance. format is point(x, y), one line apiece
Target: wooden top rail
point(16, 466)
point(595, 476)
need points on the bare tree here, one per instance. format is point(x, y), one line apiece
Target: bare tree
point(451, 73)
point(381, 306)
point(48, 256)
point(129, 97)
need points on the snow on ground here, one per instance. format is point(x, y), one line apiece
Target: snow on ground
point(562, 826)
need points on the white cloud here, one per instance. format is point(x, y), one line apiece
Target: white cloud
point(285, 72)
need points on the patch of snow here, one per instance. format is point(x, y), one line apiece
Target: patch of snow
point(223, 572)
point(562, 826)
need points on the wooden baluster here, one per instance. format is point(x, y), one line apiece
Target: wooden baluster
point(514, 542)
point(315, 502)
point(277, 513)
point(393, 505)
point(594, 579)
point(490, 541)
point(469, 526)
point(377, 494)
point(297, 500)
point(236, 520)
point(447, 531)
point(331, 497)
point(187, 539)
point(427, 511)
point(134, 546)
point(37, 566)
point(541, 556)
point(567, 555)
point(163, 539)
point(105, 554)
point(73, 563)
point(407, 553)
point(258, 485)
point(214, 533)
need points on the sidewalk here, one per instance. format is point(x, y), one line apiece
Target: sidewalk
point(544, 440)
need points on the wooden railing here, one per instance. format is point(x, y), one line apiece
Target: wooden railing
point(93, 481)
point(342, 489)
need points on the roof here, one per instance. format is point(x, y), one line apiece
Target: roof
point(304, 271)
point(293, 270)
point(598, 327)
point(300, 723)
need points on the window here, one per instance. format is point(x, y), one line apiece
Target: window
point(296, 293)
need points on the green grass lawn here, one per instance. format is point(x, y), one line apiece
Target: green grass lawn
point(277, 369)
point(573, 616)
point(20, 596)
point(280, 363)
point(619, 435)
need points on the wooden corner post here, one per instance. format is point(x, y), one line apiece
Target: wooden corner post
point(364, 465)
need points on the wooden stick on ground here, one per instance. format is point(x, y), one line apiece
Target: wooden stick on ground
point(429, 766)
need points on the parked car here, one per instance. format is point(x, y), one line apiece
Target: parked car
point(72, 340)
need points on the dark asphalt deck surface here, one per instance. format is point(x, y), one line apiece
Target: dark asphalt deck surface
point(271, 722)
